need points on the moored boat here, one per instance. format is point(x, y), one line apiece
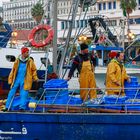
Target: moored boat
point(44, 120)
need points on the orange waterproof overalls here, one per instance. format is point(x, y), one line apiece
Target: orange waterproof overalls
point(87, 80)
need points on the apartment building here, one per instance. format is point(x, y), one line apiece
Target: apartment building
point(18, 14)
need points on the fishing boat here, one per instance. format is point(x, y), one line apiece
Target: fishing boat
point(70, 118)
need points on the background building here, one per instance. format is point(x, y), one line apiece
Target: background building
point(18, 14)
point(1, 12)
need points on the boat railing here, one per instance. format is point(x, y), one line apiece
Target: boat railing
point(65, 100)
point(103, 102)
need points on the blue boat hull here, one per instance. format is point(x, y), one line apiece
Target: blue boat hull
point(80, 126)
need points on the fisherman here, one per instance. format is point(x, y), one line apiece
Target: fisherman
point(94, 58)
point(22, 75)
point(111, 55)
point(116, 75)
point(83, 63)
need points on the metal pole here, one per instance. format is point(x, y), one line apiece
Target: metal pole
point(123, 34)
point(54, 4)
point(46, 57)
point(75, 4)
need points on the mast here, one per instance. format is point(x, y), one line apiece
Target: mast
point(54, 5)
point(75, 4)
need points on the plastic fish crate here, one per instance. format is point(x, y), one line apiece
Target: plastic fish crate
point(53, 93)
point(57, 99)
point(62, 94)
point(75, 100)
point(132, 96)
point(133, 79)
point(132, 104)
point(56, 83)
point(131, 84)
point(111, 99)
point(132, 92)
point(134, 85)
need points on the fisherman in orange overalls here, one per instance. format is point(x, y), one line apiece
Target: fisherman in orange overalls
point(83, 63)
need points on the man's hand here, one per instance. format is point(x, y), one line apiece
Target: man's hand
point(68, 78)
point(129, 80)
point(36, 81)
point(117, 83)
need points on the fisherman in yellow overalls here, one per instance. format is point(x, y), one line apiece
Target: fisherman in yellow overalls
point(83, 62)
point(116, 75)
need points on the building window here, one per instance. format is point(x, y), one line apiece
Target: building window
point(104, 6)
point(86, 23)
point(131, 21)
point(114, 5)
point(81, 23)
point(137, 21)
point(99, 6)
point(139, 2)
point(62, 25)
point(77, 22)
point(109, 5)
point(111, 23)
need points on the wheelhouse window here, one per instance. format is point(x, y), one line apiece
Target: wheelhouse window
point(10, 58)
point(43, 61)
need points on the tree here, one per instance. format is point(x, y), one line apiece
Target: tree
point(127, 7)
point(37, 11)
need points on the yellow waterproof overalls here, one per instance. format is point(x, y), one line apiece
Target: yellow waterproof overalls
point(87, 80)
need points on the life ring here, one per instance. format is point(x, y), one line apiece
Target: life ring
point(47, 40)
point(102, 39)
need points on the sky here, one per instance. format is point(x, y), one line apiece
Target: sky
point(3, 1)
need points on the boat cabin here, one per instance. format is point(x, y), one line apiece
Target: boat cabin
point(102, 53)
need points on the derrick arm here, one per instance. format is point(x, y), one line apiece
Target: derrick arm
point(92, 23)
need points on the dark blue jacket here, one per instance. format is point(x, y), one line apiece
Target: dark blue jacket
point(77, 62)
